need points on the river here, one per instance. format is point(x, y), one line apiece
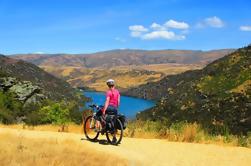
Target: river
point(129, 106)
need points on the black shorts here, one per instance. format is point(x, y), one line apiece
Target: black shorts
point(111, 110)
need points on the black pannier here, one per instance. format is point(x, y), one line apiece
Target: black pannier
point(123, 120)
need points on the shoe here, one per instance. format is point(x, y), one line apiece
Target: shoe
point(102, 131)
point(114, 140)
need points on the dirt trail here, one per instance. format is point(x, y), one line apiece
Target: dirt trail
point(152, 151)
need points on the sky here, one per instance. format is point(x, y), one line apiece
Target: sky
point(86, 26)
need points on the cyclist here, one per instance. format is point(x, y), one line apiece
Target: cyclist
point(112, 102)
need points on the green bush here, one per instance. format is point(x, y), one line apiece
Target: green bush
point(13, 111)
point(10, 108)
point(56, 113)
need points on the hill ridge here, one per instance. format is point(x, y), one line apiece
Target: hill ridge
point(124, 57)
point(210, 96)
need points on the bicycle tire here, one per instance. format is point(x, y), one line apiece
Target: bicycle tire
point(119, 127)
point(85, 130)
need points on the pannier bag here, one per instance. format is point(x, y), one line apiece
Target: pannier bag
point(123, 120)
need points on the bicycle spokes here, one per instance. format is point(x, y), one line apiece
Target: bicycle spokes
point(89, 128)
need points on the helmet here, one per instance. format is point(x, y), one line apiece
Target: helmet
point(110, 82)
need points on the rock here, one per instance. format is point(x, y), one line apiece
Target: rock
point(7, 82)
point(36, 98)
point(24, 90)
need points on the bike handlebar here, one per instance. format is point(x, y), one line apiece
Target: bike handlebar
point(95, 106)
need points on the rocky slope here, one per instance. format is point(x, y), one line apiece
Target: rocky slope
point(30, 82)
point(218, 96)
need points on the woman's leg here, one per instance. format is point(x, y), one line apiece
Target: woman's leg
point(98, 120)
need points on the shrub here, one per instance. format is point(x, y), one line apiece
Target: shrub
point(56, 113)
point(10, 108)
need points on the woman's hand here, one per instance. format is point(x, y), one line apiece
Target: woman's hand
point(103, 112)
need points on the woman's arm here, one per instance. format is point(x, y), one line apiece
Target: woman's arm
point(106, 104)
point(118, 100)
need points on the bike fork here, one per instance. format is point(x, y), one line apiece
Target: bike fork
point(91, 123)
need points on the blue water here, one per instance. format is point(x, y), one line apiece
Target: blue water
point(129, 106)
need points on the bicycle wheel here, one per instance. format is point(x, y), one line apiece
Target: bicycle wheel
point(89, 129)
point(116, 133)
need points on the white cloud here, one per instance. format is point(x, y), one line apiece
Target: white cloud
point(176, 25)
point(160, 31)
point(157, 27)
point(169, 35)
point(245, 28)
point(136, 33)
point(138, 28)
point(214, 22)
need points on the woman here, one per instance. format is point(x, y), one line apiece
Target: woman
point(112, 99)
point(112, 102)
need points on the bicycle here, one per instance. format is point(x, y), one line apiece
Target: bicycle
point(113, 128)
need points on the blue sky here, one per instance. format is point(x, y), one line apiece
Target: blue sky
point(84, 26)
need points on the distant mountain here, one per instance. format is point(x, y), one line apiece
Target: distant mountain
point(129, 68)
point(124, 58)
point(19, 75)
point(218, 96)
point(125, 76)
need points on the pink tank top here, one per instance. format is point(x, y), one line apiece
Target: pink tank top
point(114, 97)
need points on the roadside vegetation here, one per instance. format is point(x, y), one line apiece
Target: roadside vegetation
point(185, 132)
point(177, 132)
point(48, 112)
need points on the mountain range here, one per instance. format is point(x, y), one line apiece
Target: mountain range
point(130, 68)
point(124, 58)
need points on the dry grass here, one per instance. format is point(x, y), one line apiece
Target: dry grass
point(169, 68)
point(125, 76)
point(183, 132)
point(151, 130)
point(22, 149)
point(190, 132)
point(72, 128)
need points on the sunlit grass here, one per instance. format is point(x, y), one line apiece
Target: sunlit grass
point(178, 132)
point(72, 128)
point(183, 132)
point(18, 148)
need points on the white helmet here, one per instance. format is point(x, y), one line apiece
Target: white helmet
point(110, 82)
